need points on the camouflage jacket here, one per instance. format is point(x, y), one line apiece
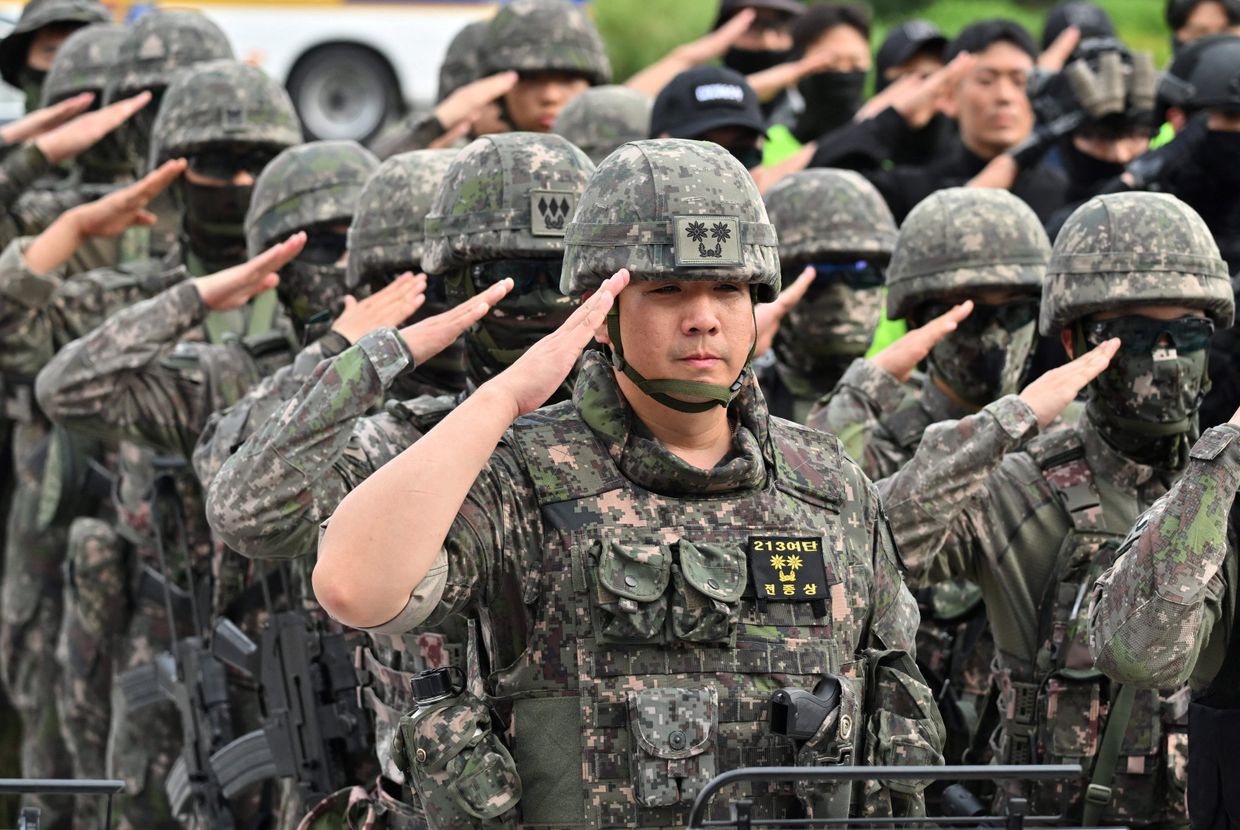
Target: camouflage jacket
point(269, 496)
point(880, 420)
point(229, 427)
point(135, 377)
point(631, 680)
point(40, 313)
point(1034, 528)
point(1162, 614)
point(278, 465)
point(19, 170)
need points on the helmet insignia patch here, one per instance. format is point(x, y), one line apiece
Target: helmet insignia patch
point(550, 212)
point(707, 241)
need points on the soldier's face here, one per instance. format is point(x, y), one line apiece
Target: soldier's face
point(990, 102)
point(1209, 18)
point(44, 44)
point(538, 97)
point(686, 329)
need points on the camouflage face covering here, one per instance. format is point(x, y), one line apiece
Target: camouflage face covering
point(533, 309)
point(1149, 389)
point(983, 366)
point(828, 328)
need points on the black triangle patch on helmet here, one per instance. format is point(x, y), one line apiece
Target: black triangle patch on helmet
point(550, 211)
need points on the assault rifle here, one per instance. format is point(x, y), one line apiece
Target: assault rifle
point(309, 698)
point(188, 675)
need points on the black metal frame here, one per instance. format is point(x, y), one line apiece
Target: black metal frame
point(1015, 819)
point(65, 786)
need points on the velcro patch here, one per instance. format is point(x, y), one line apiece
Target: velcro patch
point(550, 212)
point(785, 569)
point(711, 241)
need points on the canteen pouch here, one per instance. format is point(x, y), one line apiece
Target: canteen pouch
point(453, 759)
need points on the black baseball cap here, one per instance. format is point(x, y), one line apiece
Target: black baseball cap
point(1092, 20)
point(703, 99)
point(728, 8)
point(906, 40)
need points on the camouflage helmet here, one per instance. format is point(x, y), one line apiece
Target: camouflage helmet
point(461, 64)
point(505, 196)
point(307, 185)
point(671, 209)
point(965, 239)
point(83, 62)
point(387, 235)
point(222, 102)
point(824, 214)
point(545, 36)
point(1126, 249)
point(602, 118)
point(161, 42)
point(35, 15)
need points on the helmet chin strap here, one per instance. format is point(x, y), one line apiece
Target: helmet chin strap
point(663, 390)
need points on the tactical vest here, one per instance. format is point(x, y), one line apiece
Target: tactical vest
point(650, 654)
point(1055, 710)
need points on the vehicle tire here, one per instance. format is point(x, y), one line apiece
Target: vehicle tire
point(344, 91)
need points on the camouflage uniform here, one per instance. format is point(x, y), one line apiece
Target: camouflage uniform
point(1165, 613)
point(957, 242)
point(1035, 527)
point(824, 216)
point(577, 517)
point(386, 239)
point(159, 44)
point(602, 118)
point(142, 752)
point(525, 36)
point(303, 459)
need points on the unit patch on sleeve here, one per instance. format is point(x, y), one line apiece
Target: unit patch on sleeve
point(784, 569)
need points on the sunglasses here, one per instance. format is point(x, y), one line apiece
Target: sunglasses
point(226, 163)
point(1010, 316)
point(856, 275)
point(1141, 334)
point(526, 274)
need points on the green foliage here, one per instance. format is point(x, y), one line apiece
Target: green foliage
point(639, 32)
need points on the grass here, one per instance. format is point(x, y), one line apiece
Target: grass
point(639, 32)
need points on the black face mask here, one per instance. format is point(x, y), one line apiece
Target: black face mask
point(1221, 150)
point(215, 220)
point(1084, 171)
point(749, 61)
point(831, 100)
point(749, 155)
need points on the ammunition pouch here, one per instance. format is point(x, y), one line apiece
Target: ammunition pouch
point(451, 756)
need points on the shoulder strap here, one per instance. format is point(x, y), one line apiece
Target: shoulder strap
point(807, 462)
point(1061, 457)
point(564, 458)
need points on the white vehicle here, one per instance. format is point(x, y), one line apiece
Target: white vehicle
point(349, 67)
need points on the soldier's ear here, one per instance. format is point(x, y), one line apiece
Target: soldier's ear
point(1065, 337)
